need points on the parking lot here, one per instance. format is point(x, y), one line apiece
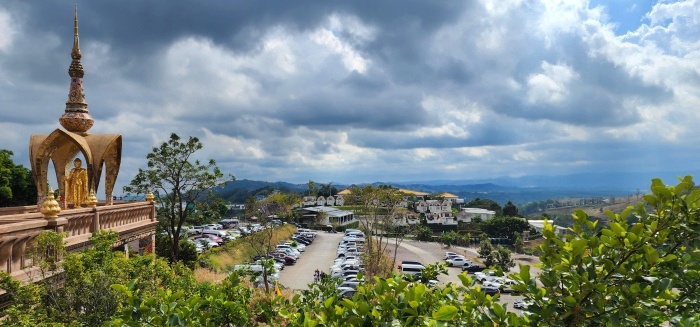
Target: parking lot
point(319, 255)
point(322, 252)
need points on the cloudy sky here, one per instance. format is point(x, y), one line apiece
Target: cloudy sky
point(362, 91)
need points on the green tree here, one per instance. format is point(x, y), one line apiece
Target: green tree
point(378, 207)
point(327, 189)
point(504, 226)
point(518, 244)
point(16, 183)
point(643, 274)
point(485, 247)
point(251, 207)
point(177, 182)
point(312, 188)
point(448, 238)
point(276, 205)
point(510, 210)
point(423, 233)
point(212, 209)
point(188, 250)
point(503, 260)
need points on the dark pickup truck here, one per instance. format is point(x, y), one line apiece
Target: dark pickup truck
point(473, 268)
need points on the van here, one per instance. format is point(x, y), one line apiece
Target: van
point(227, 223)
point(412, 269)
point(218, 233)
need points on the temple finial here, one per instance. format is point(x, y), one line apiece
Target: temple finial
point(76, 40)
point(76, 118)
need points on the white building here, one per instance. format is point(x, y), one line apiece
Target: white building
point(538, 225)
point(309, 201)
point(334, 216)
point(468, 214)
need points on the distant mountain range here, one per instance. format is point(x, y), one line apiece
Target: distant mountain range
point(625, 181)
point(503, 189)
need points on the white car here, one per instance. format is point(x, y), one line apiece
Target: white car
point(499, 282)
point(485, 276)
point(206, 242)
point(300, 247)
point(458, 262)
point(449, 254)
point(289, 252)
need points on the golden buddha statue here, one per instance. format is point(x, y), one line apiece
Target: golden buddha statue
point(77, 184)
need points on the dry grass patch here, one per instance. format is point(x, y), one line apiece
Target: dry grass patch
point(208, 275)
point(239, 251)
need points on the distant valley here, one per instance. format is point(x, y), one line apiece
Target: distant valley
point(519, 190)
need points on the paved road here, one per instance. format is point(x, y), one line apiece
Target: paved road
point(319, 255)
point(431, 252)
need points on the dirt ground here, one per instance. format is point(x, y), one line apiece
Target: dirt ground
point(431, 252)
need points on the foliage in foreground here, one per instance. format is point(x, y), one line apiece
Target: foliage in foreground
point(642, 274)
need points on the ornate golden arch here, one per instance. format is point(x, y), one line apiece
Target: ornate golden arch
point(62, 146)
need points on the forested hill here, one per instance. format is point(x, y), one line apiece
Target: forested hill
point(238, 191)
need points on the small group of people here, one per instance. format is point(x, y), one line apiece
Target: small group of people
point(319, 276)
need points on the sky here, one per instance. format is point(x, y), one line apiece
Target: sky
point(364, 91)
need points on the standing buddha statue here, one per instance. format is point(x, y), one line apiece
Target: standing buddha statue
point(77, 183)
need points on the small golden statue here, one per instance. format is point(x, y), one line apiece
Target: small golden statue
point(77, 183)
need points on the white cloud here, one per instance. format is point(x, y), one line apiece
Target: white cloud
point(351, 59)
point(551, 85)
point(502, 86)
point(8, 28)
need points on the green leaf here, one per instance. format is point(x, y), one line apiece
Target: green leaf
point(525, 273)
point(328, 302)
point(445, 313)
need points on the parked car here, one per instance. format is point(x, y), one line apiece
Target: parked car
point(218, 240)
point(302, 240)
point(458, 262)
point(352, 285)
point(412, 270)
point(409, 262)
point(218, 233)
point(449, 254)
point(499, 282)
point(521, 304)
point(206, 242)
point(344, 273)
point(485, 276)
point(228, 223)
point(288, 259)
point(195, 230)
point(490, 290)
point(346, 293)
point(213, 226)
point(473, 268)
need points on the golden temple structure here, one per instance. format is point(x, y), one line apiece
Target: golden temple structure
point(61, 146)
point(77, 213)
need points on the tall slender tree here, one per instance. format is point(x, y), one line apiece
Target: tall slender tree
point(177, 181)
point(312, 187)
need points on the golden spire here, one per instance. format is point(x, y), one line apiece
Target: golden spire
point(75, 54)
point(76, 118)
